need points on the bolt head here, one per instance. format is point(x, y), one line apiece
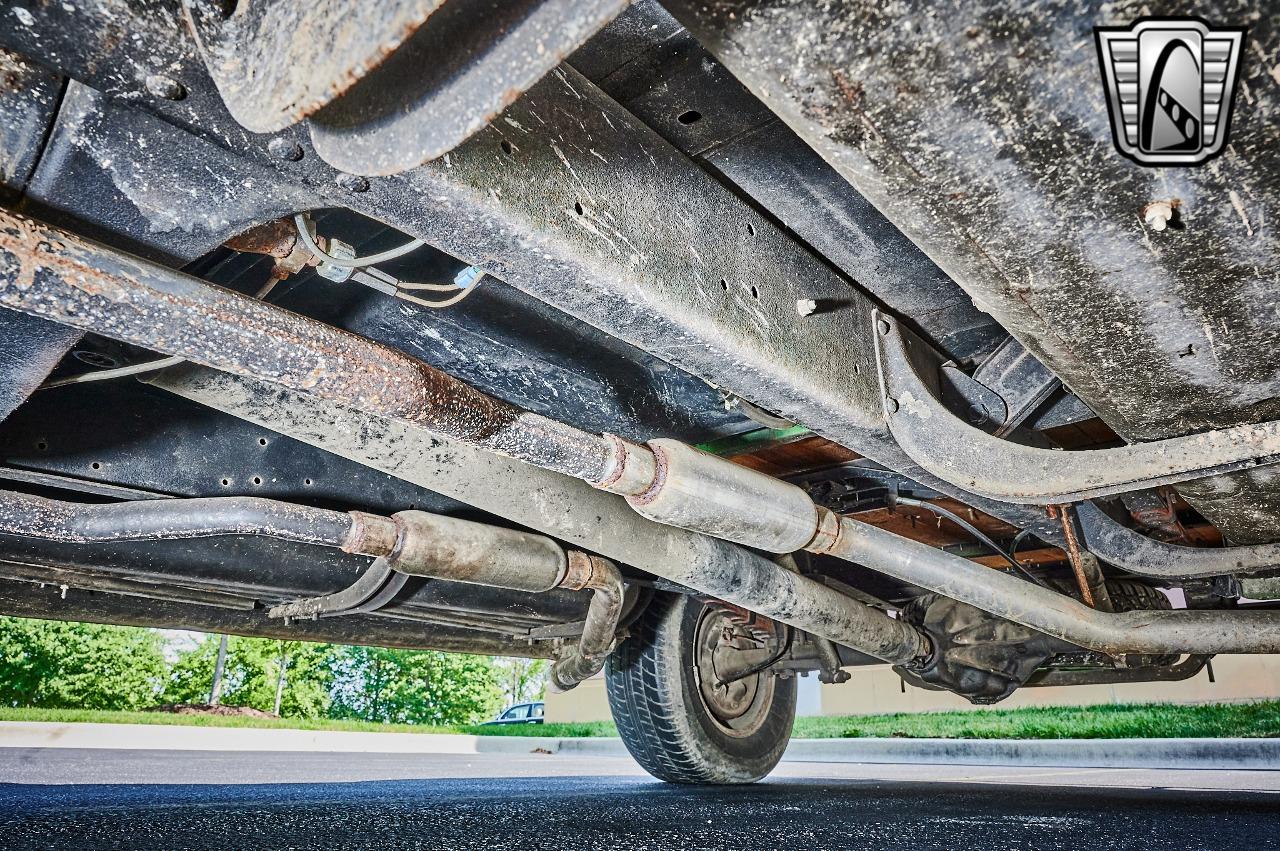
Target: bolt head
point(165, 88)
point(806, 306)
point(284, 149)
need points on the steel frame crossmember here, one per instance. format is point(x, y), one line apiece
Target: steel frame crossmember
point(970, 458)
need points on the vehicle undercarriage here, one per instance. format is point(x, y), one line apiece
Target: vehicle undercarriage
point(705, 344)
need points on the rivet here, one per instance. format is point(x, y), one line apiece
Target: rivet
point(883, 326)
point(891, 404)
point(352, 182)
point(284, 149)
point(1159, 214)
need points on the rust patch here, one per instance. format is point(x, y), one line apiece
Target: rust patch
point(274, 239)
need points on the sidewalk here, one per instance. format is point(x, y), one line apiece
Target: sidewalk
point(1082, 753)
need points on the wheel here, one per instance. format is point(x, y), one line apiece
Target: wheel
point(1131, 595)
point(673, 714)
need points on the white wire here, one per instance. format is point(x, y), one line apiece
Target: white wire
point(304, 234)
point(118, 372)
point(139, 368)
point(440, 288)
point(164, 363)
point(436, 305)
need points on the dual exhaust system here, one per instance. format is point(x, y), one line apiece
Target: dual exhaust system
point(56, 275)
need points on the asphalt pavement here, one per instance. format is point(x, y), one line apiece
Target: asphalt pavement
point(103, 799)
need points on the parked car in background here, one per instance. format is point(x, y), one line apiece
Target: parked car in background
point(521, 713)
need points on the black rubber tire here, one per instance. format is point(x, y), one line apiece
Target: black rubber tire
point(1128, 595)
point(661, 717)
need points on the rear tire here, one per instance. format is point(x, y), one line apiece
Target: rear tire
point(677, 723)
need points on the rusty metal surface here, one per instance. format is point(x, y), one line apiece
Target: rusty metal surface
point(55, 275)
point(50, 273)
point(660, 255)
point(573, 201)
point(440, 547)
point(31, 516)
point(970, 458)
point(587, 658)
point(981, 131)
point(278, 239)
point(1088, 573)
point(274, 571)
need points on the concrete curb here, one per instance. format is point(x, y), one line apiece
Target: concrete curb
point(1233, 754)
point(1074, 753)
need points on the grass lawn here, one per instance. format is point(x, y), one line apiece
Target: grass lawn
point(1120, 721)
point(1152, 721)
point(99, 716)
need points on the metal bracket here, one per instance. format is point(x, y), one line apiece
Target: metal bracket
point(969, 458)
point(374, 588)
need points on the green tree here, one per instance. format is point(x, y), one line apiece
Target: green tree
point(521, 679)
point(252, 675)
point(59, 664)
point(413, 686)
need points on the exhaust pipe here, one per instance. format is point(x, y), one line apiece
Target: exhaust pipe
point(51, 273)
point(27, 516)
point(601, 576)
point(48, 272)
point(412, 542)
point(440, 547)
point(696, 490)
